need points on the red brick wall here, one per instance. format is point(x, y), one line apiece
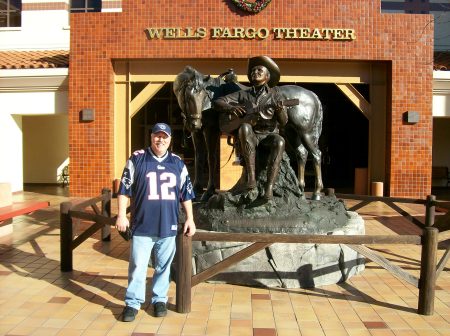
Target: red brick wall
point(405, 40)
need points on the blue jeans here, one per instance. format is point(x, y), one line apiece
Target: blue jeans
point(141, 248)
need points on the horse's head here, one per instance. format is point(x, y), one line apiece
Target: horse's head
point(189, 88)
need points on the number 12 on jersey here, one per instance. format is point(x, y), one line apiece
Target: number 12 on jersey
point(164, 182)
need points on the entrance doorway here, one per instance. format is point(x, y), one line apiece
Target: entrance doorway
point(344, 139)
point(354, 97)
point(163, 107)
point(344, 142)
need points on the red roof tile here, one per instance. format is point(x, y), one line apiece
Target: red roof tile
point(36, 59)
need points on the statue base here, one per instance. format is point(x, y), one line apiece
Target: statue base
point(281, 264)
point(288, 212)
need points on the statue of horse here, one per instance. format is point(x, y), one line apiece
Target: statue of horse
point(196, 92)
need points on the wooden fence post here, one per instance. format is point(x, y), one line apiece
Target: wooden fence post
point(184, 273)
point(430, 211)
point(106, 211)
point(427, 280)
point(66, 236)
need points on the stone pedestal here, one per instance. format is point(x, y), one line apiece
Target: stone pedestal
point(281, 264)
point(377, 189)
point(285, 265)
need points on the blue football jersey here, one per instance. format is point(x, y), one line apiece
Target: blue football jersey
point(156, 186)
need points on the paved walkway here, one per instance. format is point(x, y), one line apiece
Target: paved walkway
point(37, 299)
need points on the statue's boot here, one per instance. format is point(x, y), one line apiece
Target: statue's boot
point(249, 158)
point(241, 185)
point(273, 168)
point(272, 173)
point(251, 177)
point(248, 150)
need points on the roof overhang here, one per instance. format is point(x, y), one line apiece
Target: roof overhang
point(26, 80)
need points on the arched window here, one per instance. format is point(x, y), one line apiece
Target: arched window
point(83, 6)
point(10, 13)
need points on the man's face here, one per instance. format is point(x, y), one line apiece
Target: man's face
point(259, 75)
point(160, 143)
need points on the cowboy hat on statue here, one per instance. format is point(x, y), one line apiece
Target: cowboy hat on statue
point(269, 64)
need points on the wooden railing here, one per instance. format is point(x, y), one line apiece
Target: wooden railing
point(71, 213)
point(428, 240)
point(433, 232)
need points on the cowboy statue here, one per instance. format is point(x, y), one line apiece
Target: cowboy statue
point(255, 116)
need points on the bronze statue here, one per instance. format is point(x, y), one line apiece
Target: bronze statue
point(258, 112)
point(197, 93)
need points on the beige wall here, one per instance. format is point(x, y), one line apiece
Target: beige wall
point(11, 150)
point(441, 146)
point(29, 94)
point(45, 148)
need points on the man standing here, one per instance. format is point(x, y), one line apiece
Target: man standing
point(157, 181)
point(262, 102)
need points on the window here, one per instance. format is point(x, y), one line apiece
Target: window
point(10, 13)
point(83, 6)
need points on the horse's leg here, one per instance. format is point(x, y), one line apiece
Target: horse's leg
point(313, 147)
point(211, 139)
point(199, 161)
point(294, 139)
point(302, 155)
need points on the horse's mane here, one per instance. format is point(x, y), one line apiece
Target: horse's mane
point(193, 79)
point(189, 76)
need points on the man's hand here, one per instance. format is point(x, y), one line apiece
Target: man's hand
point(189, 227)
point(122, 223)
point(281, 114)
point(279, 107)
point(238, 111)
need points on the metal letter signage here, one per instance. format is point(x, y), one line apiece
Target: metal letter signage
point(175, 33)
point(251, 33)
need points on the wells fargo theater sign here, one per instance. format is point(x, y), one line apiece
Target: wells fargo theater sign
point(277, 33)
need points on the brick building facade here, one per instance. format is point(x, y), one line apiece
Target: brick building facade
point(109, 51)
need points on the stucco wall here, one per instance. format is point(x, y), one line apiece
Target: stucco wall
point(45, 148)
point(44, 26)
point(11, 151)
